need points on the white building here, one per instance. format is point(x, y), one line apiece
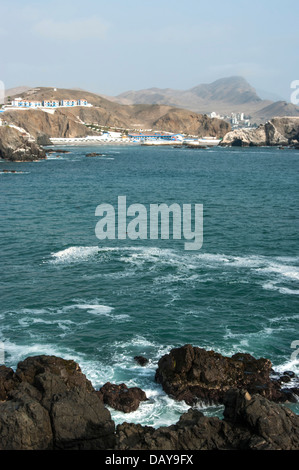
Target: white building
point(51, 103)
point(69, 103)
point(20, 103)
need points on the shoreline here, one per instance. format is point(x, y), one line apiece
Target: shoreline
point(49, 404)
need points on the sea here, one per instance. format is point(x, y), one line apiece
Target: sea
point(66, 293)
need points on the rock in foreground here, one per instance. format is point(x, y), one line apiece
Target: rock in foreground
point(250, 423)
point(194, 374)
point(122, 398)
point(51, 405)
point(48, 404)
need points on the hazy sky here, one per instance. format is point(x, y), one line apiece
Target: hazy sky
point(113, 46)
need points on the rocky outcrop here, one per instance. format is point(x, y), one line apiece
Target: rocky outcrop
point(194, 374)
point(17, 146)
point(62, 123)
point(278, 131)
point(49, 404)
point(7, 382)
point(121, 398)
point(288, 127)
point(141, 360)
point(250, 423)
point(94, 154)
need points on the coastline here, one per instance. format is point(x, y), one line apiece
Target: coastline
point(50, 401)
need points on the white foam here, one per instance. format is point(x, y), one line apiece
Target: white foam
point(95, 309)
point(159, 410)
point(289, 364)
point(290, 272)
point(74, 254)
point(19, 352)
point(282, 290)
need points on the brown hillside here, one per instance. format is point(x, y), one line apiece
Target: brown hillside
point(69, 122)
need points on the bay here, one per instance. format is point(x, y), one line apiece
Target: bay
point(102, 302)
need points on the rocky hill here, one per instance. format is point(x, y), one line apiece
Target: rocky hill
point(277, 109)
point(70, 122)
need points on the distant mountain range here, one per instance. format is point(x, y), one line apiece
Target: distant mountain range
point(224, 96)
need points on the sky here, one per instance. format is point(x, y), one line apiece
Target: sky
point(109, 47)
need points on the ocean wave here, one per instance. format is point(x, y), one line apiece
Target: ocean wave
point(291, 272)
point(38, 324)
point(74, 254)
point(280, 289)
point(159, 410)
point(187, 268)
point(95, 309)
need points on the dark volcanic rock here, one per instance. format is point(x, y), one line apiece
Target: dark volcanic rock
point(142, 361)
point(122, 398)
point(7, 381)
point(94, 154)
point(24, 424)
point(250, 423)
point(51, 405)
point(80, 421)
point(16, 147)
point(194, 374)
point(48, 404)
point(272, 426)
point(57, 151)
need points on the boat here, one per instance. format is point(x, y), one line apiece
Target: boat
point(159, 142)
point(203, 142)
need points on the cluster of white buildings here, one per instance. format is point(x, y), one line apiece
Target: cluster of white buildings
point(235, 119)
point(21, 103)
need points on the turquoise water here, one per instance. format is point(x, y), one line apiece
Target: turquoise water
point(64, 292)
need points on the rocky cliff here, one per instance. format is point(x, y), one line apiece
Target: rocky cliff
point(278, 131)
point(70, 122)
point(36, 122)
point(48, 404)
point(16, 145)
point(250, 423)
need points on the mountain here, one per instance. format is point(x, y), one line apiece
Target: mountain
point(280, 108)
point(223, 96)
point(234, 90)
point(226, 95)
